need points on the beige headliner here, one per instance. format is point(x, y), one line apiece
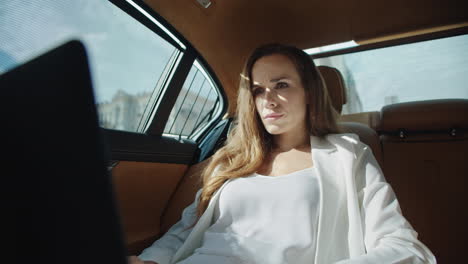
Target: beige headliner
point(228, 30)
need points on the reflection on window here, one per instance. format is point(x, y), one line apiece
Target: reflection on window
point(133, 110)
point(436, 69)
point(198, 103)
point(129, 63)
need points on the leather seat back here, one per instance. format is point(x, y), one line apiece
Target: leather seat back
point(425, 148)
point(337, 91)
point(335, 84)
point(367, 135)
point(336, 87)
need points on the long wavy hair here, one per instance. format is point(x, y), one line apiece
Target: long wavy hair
point(248, 142)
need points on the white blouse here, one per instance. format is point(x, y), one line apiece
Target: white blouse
point(275, 215)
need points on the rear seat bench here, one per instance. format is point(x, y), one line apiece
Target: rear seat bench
point(425, 148)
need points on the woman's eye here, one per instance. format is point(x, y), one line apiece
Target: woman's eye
point(257, 91)
point(282, 85)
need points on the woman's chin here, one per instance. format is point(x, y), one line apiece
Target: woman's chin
point(274, 130)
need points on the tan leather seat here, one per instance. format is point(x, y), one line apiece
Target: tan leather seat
point(370, 119)
point(335, 85)
point(183, 196)
point(425, 147)
point(366, 135)
point(337, 91)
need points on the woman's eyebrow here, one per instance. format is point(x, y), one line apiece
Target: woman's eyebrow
point(280, 78)
point(274, 80)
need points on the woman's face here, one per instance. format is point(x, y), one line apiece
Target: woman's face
point(279, 96)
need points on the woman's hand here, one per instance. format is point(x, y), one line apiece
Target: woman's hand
point(136, 260)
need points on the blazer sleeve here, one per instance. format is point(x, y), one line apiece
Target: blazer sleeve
point(388, 236)
point(163, 249)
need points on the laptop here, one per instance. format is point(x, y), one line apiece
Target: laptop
point(58, 197)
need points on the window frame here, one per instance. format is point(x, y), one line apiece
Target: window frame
point(198, 132)
point(395, 42)
point(151, 145)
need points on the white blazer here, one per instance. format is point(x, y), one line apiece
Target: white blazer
point(360, 220)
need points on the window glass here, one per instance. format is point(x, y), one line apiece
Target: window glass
point(436, 69)
point(129, 63)
point(197, 105)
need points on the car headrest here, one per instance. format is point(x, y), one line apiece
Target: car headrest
point(430, 115)
point(335, 85)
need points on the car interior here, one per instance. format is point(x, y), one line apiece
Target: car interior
point(191, 52)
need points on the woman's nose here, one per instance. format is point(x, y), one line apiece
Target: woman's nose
point(270, 98)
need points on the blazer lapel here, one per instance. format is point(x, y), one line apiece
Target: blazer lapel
point(329, 169)
point(348, 158)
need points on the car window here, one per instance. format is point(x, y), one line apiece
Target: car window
point(129, 62)
point(435, 69)
point(198, 103)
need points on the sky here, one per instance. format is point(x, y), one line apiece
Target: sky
point(123, 54)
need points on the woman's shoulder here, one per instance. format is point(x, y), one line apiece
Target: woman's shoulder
point(349, 141)
point(347, 138)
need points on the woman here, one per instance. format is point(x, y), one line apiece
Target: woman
point(287, 187)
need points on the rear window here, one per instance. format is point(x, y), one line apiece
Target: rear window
point(435, 69)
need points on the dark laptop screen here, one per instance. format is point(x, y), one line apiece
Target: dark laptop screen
point(58, 194)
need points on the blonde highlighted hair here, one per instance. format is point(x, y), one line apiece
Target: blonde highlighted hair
point(248, 143)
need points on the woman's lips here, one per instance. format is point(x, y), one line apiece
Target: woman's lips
point(273, 116)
